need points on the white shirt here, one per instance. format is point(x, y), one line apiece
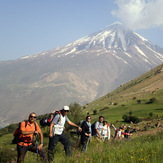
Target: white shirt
point(106, 131)
point(59, 122)
point(99, 127)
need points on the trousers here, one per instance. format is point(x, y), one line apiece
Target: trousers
point(53, 142)
point(22, 150)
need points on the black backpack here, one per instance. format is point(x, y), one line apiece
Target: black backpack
point(17, 133)
point(47, 121)
point(93, 129)
point(44, 122)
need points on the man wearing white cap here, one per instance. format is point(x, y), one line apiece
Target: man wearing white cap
point(56, 133)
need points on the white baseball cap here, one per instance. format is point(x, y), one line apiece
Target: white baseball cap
point(65, 108)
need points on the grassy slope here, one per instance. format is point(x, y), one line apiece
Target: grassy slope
point(143, 88)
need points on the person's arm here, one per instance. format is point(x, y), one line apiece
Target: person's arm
point(74, 125)
point(114, 127)
point(51, 130)
point(96, 126)
point(85, 129)
point(102, 130)
point(23, 132)
point(41, 140)
point(29, 132)
point(108, 133)
point(98, 133)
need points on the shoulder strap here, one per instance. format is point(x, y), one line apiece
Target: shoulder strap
point(35, 126)
point(59, 119)
point(25, 123)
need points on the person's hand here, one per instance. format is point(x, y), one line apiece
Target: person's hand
point(40, 146)
point(36, 132)
point(50, 135)
point(100, 136)
point(80, 129)
point(89, 134)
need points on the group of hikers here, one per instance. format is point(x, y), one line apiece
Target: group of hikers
point(100, 129)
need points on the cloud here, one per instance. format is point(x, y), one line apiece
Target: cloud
point(140, 14)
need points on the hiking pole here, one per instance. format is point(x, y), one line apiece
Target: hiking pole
point(87, 142)
point(37, 147)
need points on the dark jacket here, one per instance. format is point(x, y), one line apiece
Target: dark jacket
point(85, 129)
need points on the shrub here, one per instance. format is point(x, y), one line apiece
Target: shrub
point(129, 118)
point(115, 103)
point(130, 112)
point(94, 112)
point(152, 100)
point(139, 101)
point(134, 98)
point(151, 114)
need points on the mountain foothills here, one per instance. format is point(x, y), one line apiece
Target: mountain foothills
point(81, 71)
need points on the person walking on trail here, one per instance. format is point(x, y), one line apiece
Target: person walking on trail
point(128, 132)
point(86, 133)
point(28, 129)
point(56, 133)
point(119, 132)
point(105, 131)
point(99, 126)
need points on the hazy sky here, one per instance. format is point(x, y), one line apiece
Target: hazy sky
point(31, 26)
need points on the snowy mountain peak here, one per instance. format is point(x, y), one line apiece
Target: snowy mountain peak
point(113, 36)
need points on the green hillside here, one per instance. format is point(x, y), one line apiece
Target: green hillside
point(141, 96)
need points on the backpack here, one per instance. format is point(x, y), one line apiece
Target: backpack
point(93, 129)
point(43, 122)
point(47, 121)
point(17, 133)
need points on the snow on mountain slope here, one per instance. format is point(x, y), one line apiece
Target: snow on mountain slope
point(114, 37)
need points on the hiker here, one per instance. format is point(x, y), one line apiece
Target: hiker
point(105, 131)
point(123, 130)
point(119, 132)
point(86, 133)
point(99, 126)
point(27, 133)
point(56, 133)
point(128, 132)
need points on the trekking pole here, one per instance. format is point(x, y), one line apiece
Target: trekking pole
point(37, 147)
point(87, 142)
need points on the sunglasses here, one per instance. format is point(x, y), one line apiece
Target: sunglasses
point(32, 116)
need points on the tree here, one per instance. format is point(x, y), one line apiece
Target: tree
point(151, 114)
point(76, 113)
point(130, 112)
point(94, 112)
